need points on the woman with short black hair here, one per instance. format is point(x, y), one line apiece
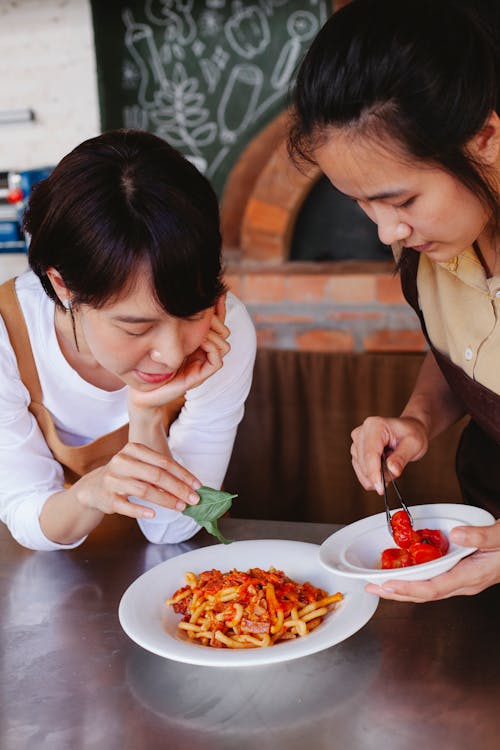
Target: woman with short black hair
point(124, 364)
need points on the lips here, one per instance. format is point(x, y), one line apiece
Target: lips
point(420, 248)
point(155, 378)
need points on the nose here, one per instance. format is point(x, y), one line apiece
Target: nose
point(390, 228)
point(168, 349)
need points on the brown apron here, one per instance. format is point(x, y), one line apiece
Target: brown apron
point(75, 460)
point(478, 453)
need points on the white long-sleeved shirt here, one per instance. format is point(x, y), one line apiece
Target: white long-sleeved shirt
point(201, 438)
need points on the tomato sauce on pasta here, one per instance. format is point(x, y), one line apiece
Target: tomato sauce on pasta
point(249, 609)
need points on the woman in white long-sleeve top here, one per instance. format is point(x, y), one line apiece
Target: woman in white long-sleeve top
point(124, 364)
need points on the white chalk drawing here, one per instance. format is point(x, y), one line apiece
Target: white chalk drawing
point(302, 26)
point(176, 16)
point(135, 117)
point(211, 73)
point(248, 32)
point(205, 74)
point(238, 101)
point(180, 116)
point(211, 23)
point(140, 43)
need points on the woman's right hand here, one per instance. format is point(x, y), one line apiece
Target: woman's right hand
point(140, 472)
point(405, 437)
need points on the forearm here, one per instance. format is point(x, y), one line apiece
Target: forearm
point(64, 520)
point(432, 402)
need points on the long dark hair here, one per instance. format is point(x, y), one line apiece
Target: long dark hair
point(424, 73)
point(117, 204)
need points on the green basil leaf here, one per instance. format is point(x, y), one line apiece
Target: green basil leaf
point(213, 504)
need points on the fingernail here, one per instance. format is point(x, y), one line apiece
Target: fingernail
point(388, 589)
point(379, 488)
point(180, 505)
point(196, 484)
point(193, 498)
point(147, 514)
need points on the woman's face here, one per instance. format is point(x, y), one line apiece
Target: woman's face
point(136, 340)
point(418, 205)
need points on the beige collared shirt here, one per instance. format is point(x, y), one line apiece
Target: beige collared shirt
point(461, 308)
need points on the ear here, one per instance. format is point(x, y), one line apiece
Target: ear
point(485, 145)
point(58, 284)
point(220, 307)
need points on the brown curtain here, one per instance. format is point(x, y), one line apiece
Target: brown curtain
point(291, 459)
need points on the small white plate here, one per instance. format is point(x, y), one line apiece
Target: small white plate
point(150, 623)
point(354, 551)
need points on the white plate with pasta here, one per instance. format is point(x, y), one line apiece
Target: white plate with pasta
point(154, 625)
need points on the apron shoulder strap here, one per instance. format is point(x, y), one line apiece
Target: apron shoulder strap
point(13, 317)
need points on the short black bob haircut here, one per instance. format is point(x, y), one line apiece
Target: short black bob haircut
point(423, 73)
point(122, 203)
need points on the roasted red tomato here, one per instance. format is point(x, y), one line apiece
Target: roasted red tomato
point(396, 558)
point(416, 547)
point(422, 552)
point(402, 531)
point(434, 537)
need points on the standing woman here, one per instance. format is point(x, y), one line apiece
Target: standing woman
point(124, 366)
point(398, 104)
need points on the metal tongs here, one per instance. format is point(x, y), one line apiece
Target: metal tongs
point(385, 470)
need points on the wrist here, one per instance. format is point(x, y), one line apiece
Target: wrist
point(419, 413)
point(147, 426)
point(145, 415)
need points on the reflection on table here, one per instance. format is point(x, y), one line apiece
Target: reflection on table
point(415, 675)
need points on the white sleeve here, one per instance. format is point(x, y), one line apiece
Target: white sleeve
point(29, 474)
point(202, 437)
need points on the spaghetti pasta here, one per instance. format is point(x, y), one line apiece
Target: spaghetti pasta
point(250, 609)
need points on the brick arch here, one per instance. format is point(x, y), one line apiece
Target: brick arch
point(263, 196)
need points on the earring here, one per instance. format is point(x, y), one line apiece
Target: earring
point(68, 306)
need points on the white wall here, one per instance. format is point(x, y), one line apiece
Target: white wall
point(47, 63)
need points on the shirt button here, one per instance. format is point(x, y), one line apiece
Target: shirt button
point(469, 354)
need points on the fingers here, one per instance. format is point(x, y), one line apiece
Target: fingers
point(149, 475)
point(216, 347)
point(482, 537)
point(368, 443)
point(470, 576)
point(405, 437)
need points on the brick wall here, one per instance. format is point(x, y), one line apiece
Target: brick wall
point(327, 306)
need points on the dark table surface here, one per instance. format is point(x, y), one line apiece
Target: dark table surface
point(416, 676)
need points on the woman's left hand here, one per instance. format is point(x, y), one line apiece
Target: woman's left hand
point(471, 575)
point(198, 366)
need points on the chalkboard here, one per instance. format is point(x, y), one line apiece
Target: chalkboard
point(206, 75)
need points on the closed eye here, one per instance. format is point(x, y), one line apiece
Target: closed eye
point(134, 333)
point(407, 203)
